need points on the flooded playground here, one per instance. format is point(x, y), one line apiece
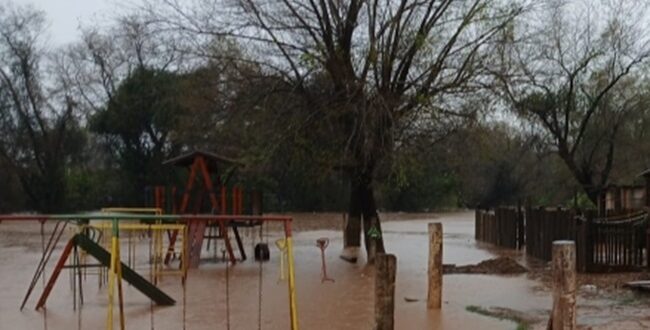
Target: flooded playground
point(253, 296)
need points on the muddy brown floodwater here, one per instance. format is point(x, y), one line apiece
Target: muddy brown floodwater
point(344, 304)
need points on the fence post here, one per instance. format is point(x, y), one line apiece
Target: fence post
point(498, 220)
point(581, 244)
point(385, 269)
point(477, 223)
point(589, 242)
point(520, 226)
point(647, 248)
point(530, 222)
point(563, 316)
point(618, 205)
point(434, 297)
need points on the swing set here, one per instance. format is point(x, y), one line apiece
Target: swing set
point(117, 270)
point(98, 234)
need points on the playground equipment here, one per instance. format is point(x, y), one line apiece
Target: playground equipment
point(155, 232)
point(118, 270)
point(322, 244)
point(262, 252)
point(186, 228)
point(59, 228)
point(157, 239)
point(87, 239)
point(282, 246)
point(203, 177)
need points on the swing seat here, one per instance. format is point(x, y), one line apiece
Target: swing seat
point(262, 252)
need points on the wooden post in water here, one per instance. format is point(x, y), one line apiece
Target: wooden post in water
point(385, 269)
point(434, 298)
point(563, 315)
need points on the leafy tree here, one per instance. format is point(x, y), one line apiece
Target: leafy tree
point(419, 178)
point(137, 125)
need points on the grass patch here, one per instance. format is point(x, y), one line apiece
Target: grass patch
point(521, 326)
point(501, 314)
point(478, 310)
point(627, 301)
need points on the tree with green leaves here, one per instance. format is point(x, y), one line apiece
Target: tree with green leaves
point(138, 124)
point(125, 78)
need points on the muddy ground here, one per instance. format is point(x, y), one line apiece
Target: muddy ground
point(345, 304)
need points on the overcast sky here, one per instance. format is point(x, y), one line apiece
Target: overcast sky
point(65, 16)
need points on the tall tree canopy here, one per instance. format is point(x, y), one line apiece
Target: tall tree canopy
point(393, 70)
point(572, 68)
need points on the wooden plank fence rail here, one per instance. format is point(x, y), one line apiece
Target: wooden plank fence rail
point(543, 226)
point(502, 227)
point(615, 243)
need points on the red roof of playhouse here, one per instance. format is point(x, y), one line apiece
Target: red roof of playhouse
point(210, 158)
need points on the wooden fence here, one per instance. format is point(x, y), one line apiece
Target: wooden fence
point(615, 244)
point(543, 226)
point(502, 227)
point(602, 245)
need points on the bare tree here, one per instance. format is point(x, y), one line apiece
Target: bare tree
point(572, 69)
point(394, 69)
point(37, 117)
point(103, 58)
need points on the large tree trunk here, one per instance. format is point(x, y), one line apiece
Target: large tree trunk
point(362, 209)
point(373, 238)
point(352, 226)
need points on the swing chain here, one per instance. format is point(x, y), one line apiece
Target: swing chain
point(261, 271)
point(223, 254)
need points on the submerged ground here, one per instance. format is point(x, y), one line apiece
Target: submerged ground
point(345, 304)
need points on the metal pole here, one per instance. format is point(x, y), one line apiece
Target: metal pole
point(111, 277)
point(293, 312)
